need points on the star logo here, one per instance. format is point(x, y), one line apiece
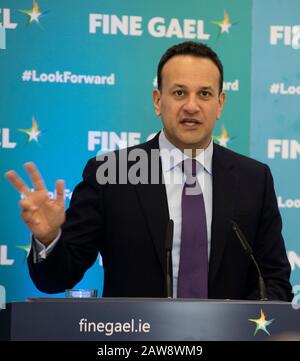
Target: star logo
point(34, 14)
point(26, 249)
point(33, 132)
point(261, 323)
point(223, 138)
point(225, 24)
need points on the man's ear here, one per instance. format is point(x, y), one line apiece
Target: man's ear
point(156, 101)
point(222, 101)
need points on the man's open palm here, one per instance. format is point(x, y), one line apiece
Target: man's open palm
point(43, 216)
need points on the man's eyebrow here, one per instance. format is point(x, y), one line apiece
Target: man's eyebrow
point(178, 86)
point(208, 87)
point(205, 87)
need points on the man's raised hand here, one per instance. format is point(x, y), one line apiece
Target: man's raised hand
point(43, 216)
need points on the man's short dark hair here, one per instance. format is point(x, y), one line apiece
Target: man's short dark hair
point(190, 48)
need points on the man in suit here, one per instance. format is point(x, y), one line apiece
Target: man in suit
point(126, 221)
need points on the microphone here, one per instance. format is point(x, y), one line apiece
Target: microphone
point(245, 244)
point(168, 249)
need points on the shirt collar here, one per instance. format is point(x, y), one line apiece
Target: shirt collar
point(172, 156)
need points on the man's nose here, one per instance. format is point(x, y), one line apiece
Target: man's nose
point(191, 105)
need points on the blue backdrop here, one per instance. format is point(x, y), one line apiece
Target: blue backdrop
point(76, 79)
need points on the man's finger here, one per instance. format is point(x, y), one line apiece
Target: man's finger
point(29, 218)
point(27, 205)
point(60, 186)
point(35, 176)
point(17, 182)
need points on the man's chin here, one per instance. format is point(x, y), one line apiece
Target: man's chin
point(189, 141)
point(194, 143)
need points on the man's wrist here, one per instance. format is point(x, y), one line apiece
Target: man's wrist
point(46, 241)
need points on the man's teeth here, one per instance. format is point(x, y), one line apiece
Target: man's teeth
point(190, 122)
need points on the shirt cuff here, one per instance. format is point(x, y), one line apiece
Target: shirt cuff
point(41, 252)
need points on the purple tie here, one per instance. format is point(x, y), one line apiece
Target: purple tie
point(193, 265)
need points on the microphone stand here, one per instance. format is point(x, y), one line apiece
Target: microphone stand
point(248, 249)
point(168, 248)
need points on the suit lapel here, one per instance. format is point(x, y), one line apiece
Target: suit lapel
point(154, 205)
point(224, 187)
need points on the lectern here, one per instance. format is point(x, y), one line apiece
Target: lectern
point(120, 319)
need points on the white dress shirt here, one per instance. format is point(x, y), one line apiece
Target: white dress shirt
point(172, 158)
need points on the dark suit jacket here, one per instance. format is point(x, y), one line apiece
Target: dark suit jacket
point(127, 224)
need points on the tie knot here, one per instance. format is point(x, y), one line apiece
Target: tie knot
point(190, 167)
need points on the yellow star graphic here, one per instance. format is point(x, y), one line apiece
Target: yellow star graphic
point(26, 249)
point(261, 323)
point(224, 24)
point(223, 139)
point(34, 13)
point(33, 132)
